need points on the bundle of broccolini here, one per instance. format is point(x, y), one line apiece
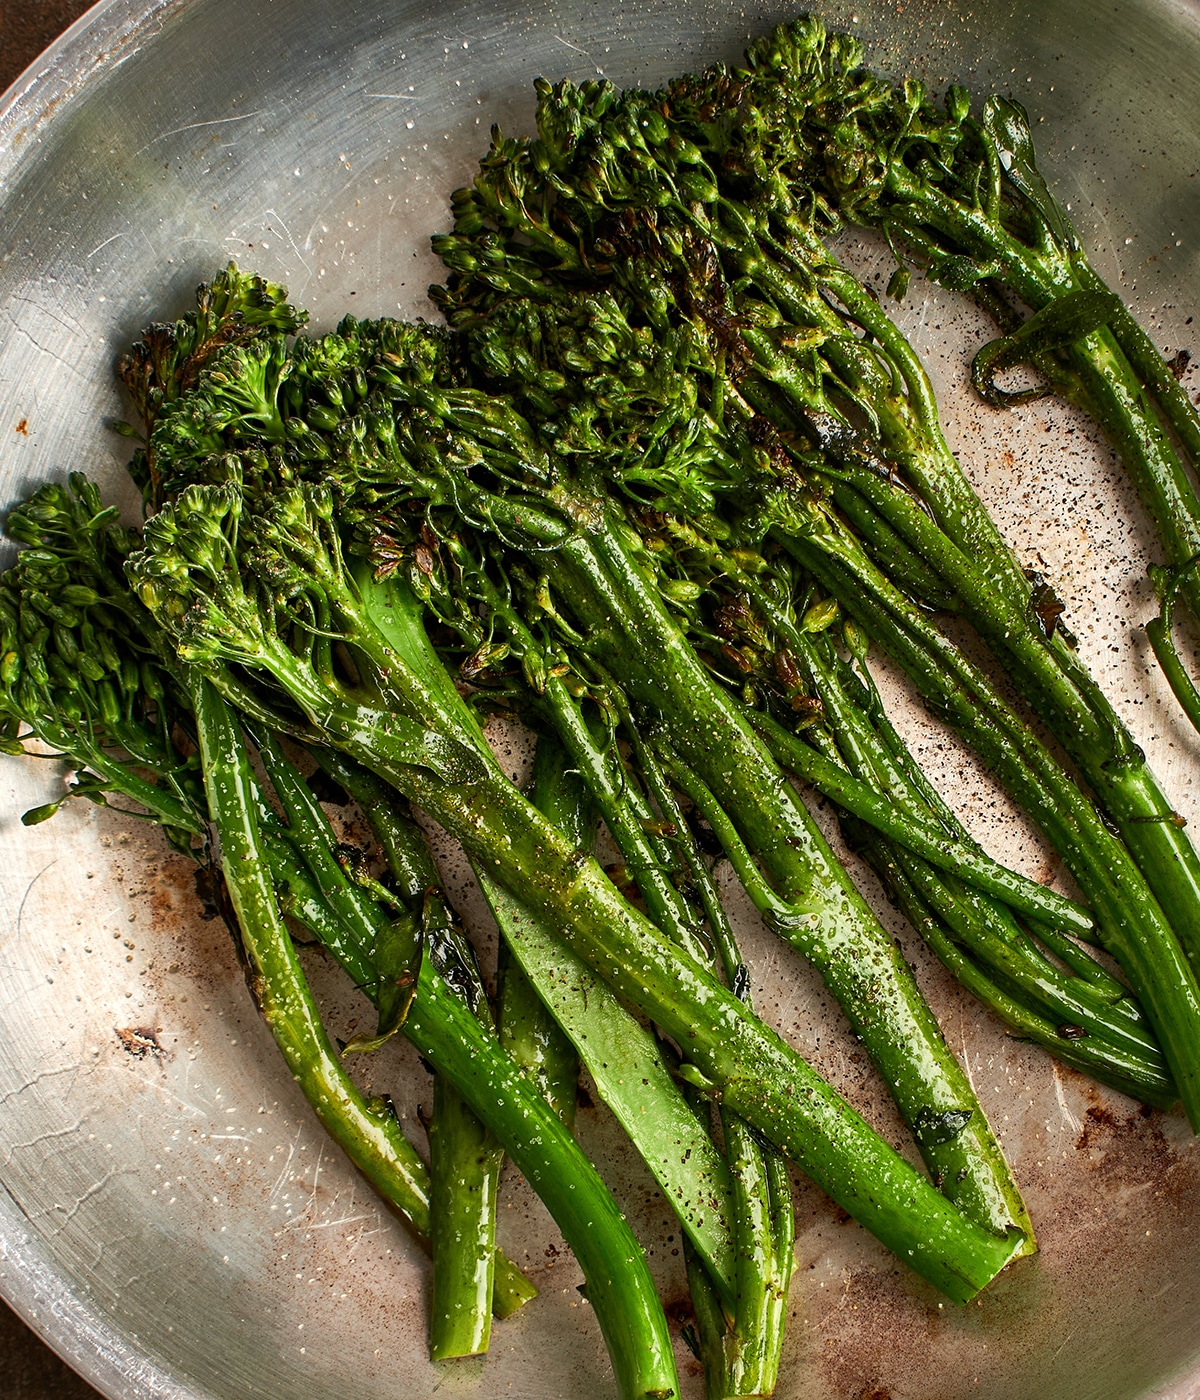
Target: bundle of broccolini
point(960, 193)
point(245, 614)
point(771, 393)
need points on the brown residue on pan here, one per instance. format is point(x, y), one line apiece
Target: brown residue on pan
point(140, 1041)
point(1178, 363)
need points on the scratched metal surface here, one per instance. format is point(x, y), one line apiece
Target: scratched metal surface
point(172, 1221)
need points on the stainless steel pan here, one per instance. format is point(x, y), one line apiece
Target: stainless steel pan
point(171, 1219)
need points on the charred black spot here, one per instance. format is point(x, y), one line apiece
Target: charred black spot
point(139, 1041)
point(1179, 362)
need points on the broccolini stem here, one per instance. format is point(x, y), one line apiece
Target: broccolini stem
point(1130, 1073)
point(619, 1286)
point(742, 1358)
point(534, 1039)
point(1160, 633)
point(620, 1053)
point(528, 1031)
point(907, 828)
point(620, 1290)
point(1130, 922)
point(464, 1158)
point(370, 1136)
point(464, 1172)
point(747, 1064)
point(638, 642)
point(626, 1065)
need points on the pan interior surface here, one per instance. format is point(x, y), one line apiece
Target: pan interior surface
point(171, 1218)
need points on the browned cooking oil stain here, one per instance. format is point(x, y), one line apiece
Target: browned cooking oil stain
point(139, 1041)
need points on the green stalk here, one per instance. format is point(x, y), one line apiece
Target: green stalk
point(910, 431)
point(756, 1074)
point(1080, 962)
point(629, 819)
point(1086, 997)
point(622, 1056)
point(471, 1279)
point(750, 1348)
point(1086, 724)
point(974, 923)
point(1130, 1074)
point(1130, 922)
point(986, 927)
point(830, 923)
point(464, 1169)
point(710, 1219)
point(902, 782)
point(743, 1264)
point(369, 1136)
point(892, 553)
point(166, 808)
point(619, 1287)
point(1160, 634)
point(626, 1065)
point(1149, 366)
point(465, 1159)
point(527, 1029)
point(742, 1358)
point(451, 1039)
point(924, 838)
point(1080, 1005)
point(1120, 375)
point(534, 1040)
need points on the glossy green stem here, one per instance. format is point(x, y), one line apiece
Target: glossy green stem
point(1111, 390)
point(464, 1168)
point(451, 1039)
point(745, 1354)
point(534, 1039)
point(623, 1057)
point(888, 765)
point(923, 838)
point(1151, 369)
point(1081, 1006)
point(1130, 1074)
point(628, 818)
point(637, 641)
point(1159, 633)
point(1087, 726)
point(756, 1074)
point(619, 1287)
point(475, 1278)
point(1130, 921)
point(370, 1136)
point(160, 802)
point(626, 1066)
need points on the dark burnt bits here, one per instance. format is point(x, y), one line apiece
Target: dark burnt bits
point(139, 1041)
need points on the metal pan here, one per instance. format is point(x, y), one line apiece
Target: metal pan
point(171, 1220)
